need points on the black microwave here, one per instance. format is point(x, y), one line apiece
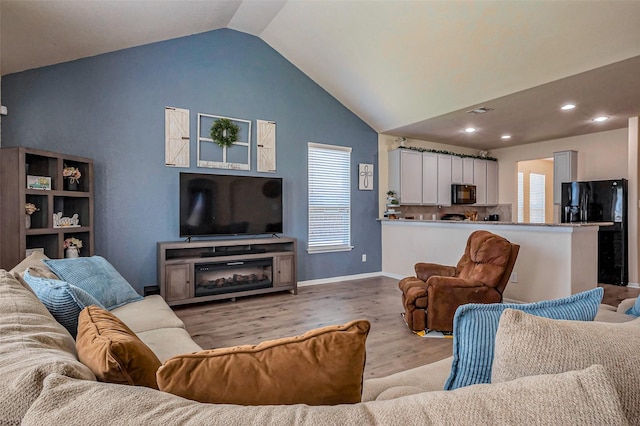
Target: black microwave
point(463, 194)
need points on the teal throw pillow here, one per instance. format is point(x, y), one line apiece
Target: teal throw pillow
point(475, 326)
point(635, 309)
point(97, 277)
point(62, 299)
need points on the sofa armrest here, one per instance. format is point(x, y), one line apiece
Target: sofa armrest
point(424, 271)
point(626, 304)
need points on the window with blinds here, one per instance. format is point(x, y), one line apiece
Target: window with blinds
point(520, 197)
point(536, 198)
point(329, 169)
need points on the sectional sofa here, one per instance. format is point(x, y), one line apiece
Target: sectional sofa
point(44, 383)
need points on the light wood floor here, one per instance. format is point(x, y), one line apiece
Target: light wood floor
point(391, 347)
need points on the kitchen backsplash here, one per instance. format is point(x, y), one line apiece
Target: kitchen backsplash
point(502, 210)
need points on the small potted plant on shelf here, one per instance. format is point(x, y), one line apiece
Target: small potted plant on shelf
point(71, 177)
point(72, 247)
point(29, 209)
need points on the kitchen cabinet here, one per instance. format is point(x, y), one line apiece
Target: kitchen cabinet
point(485, 178)
point(461, 170)
point(429, 178)
point(492, 183)
point(444, 179)
point(565, 169)
point(480, 180)
point(405, 175)
point(467, 171)
point(425, 178)
point(456, 169)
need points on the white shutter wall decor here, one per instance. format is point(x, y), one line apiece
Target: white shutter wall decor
point(329, 180)
point(176, 135)
point(266, 149)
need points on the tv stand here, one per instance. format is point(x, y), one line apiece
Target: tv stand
point(200, 271)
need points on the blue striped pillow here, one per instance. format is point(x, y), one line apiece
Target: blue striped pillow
point(62, 299)
point(96, 276)
point(475, 326)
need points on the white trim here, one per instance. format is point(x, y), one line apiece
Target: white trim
point(633, 285)
point(329, 249)
point(327, 146)
point(390, 275)
point(336, 279)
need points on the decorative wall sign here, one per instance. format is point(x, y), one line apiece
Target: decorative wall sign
point(176, 134)
point(210, 154)
point(266, 141)
point(365, 177)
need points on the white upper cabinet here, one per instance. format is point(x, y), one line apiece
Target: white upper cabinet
point(565, 169)
point(480, 180)
point(405, 175)
point(425, 178)
point(492, 183)
point(445, 163)
point(467, 171)
point(429, 178)
point(456, 169)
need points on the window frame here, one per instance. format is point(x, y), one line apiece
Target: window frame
point(315, 185)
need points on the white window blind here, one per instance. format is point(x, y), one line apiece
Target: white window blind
point(329, 169)
point(536, 198)
point(520, 197)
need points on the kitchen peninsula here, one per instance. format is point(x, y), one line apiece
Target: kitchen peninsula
point(555, 260)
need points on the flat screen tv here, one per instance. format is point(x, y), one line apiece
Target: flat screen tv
point(229, 205)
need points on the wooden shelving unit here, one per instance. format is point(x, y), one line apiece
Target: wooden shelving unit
point(15, 164)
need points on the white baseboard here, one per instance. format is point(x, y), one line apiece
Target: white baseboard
point(390, 275)
point(633, 285)
point(336, 279)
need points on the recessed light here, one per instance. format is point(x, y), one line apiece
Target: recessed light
point(505, 137)
point(567, 107)
point(601, 118)
point(470, 129)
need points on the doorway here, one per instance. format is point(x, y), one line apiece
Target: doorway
point(535, 191)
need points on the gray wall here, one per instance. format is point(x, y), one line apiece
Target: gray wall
point(111, 108)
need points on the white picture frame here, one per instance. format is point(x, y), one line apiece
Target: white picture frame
point(365, 177)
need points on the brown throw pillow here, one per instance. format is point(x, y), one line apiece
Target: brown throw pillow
point(321, 367)
point(112, 351)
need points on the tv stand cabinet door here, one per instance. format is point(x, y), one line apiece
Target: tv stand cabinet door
point(285, 271)
point(178, 282)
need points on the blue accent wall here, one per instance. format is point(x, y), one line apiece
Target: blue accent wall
point(111, 108)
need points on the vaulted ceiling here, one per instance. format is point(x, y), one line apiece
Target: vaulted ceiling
point(407, 68)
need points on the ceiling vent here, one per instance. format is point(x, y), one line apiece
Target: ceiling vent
point(480, 110)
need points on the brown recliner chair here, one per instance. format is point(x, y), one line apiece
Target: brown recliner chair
point(431, 298)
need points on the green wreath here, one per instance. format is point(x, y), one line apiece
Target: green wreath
point(224, 132)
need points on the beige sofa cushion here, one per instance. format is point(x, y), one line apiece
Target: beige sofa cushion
point(112, 351)
point(38, 267)
point(426, 378)
point(321, 367)
point(575, 398)
point(169, 342)
point(32, 345)
point(150, 313)
point(527, 345)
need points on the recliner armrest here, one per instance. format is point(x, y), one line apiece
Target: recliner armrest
point(424, 271)
point(443, 283)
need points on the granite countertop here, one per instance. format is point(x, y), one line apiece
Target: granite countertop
point(485, 222)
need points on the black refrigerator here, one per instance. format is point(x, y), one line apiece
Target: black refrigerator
point(602, 201)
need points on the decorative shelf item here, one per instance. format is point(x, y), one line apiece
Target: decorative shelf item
point(215, 150)
point(65, 222)
point(39, 182)
point(71, 177)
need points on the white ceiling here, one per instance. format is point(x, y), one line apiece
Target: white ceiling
point(408, 68)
